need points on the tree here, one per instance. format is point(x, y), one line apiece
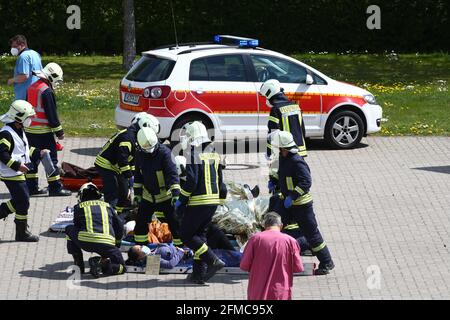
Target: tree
point(129, 34)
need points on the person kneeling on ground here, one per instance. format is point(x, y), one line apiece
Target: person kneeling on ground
point(97, 228)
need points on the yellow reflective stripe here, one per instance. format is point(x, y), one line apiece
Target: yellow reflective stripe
point(96, 238)
point(273, 119)
point(105, 220)
point(88, 217)
point(53, 179)
point(133, 168)
point(291, 226)
point(126, 145)
point(121, 269)
point(303, 199)
point(125, 168)
point(163, 196)
point(175, 187)
point(105, 164)
point(207, 177)
point(10, 163)
point(185, 193)
point(6, 143)
point(302, 151)
point(93, 203)
point(160, 177)
point(38, 130)
point(137, 185)
point(299, 190)
point(143, 238)
point(289, 183)
point(216, 167)
point(32, 175)
point(21, 217)
point(59, 128)
point(68, 239)
point(200, 251)
point(10, 207)
point(319, 247)
point(269, 146)
point(177, 242)
point(16, 178)
point(32, 150)
point(119, 209)
point(160, 214)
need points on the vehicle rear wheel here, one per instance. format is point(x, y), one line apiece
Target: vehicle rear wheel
point(178, 128)
point(344, 130)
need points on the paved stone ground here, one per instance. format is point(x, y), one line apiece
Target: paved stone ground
point(386, 204)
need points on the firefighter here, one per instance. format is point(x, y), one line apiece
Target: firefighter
point(156, 186)
point(199, 199)
point(96, 228)
point(44, 127)
point(285, 115)
point(14, 162)
point(297, 204)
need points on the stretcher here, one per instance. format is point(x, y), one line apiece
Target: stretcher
point(187, 269)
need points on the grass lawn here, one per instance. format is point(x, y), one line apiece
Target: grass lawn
point(411, 88)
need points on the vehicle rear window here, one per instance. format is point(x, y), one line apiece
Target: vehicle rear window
point(218, 68)
point(151, 69)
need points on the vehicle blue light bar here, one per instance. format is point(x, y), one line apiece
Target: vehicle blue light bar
point(238, 41)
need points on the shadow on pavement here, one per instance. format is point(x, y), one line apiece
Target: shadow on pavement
point(51, 234)
point(441, 169)
point(59, 271)
point(316, 144)
point(87, 151)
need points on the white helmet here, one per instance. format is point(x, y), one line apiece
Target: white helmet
point(283, 139)
point(196, 134)
point(138, 116)
point(151, 122)
point(147, 140)
point(270, 88)
point(181, 162)
point(53, 73)
point(89, 191)
point(20, 111)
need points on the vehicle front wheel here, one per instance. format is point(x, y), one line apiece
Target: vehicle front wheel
point(344, 130)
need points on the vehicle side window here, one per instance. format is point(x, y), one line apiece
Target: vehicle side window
point(268, 67)
point(218, 68)
point(318, 80)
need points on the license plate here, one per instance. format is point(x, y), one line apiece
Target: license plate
point(131, 98)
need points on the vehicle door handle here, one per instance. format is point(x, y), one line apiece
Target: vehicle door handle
point(199, 91)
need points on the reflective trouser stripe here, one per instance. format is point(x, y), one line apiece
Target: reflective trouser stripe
point(10, 207)
point(53, 179)
point(140, 239)
point(200, 251)
point(319, 247)
point(159, 214)
point(177, 242)
point(21, 217)
point(32, 175)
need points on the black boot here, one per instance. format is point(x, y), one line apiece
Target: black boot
point(198, 272)
point(95, 266)
point(38, 192)
point(326, 263)
point(22, 233)
point(4, 212)
point(78, 261)
point(60, 193)
point(213, 268)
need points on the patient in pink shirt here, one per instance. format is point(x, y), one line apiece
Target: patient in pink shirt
point(272, 258)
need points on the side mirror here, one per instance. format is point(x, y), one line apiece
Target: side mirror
point(309, 79)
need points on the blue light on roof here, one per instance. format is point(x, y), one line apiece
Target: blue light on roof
point(239, 41)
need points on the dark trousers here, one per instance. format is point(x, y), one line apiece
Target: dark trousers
point(44, 141)
point(193, 228)
point(306, 219)
point(164, 212)
point(115, 189)
point(217, 239)
point(20, 200)
point(75, 247)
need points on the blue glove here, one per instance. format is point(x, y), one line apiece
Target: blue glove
point(288, 202)
point(272, 186)
point(177, 204)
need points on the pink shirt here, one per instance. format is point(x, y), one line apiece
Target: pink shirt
point(272, 258)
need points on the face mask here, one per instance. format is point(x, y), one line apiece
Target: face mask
point(27, 123)
point(15, 52)
point(146, 250)
point(184, 141)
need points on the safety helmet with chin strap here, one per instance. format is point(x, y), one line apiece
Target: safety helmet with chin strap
point(147, 140)
point(270, 88)
point(89, 191)
point(284, 140)
point(151, 122)
point(196, 134)
point(20, 110)
point(53, 73)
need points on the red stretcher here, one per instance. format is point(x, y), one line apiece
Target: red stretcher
point(73, 177)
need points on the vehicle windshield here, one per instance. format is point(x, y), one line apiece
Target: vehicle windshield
point(151, 69)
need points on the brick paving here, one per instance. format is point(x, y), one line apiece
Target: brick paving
point(386, 204)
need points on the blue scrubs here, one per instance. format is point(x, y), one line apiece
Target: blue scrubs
point(27, 62)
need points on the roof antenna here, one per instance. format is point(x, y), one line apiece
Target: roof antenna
point(174, 25)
